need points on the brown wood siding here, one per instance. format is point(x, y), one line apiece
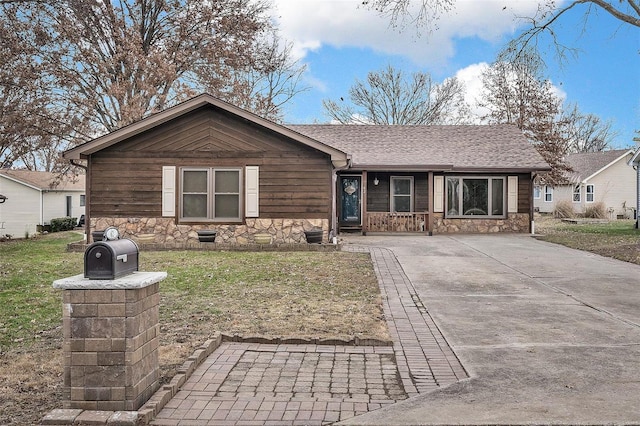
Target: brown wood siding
point(524, 193)
point(295, 180)
point(378, 196)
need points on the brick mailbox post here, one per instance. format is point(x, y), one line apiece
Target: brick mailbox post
point(111, 338)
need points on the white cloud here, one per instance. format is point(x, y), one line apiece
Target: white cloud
point(471, 76)
point(310, 24)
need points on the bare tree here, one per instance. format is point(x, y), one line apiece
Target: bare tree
point(423, 13)
point(586, 132)
point(96, 65)
point(28, 122)
point(515, 92)
point(548, 14)
point(263, 87)
point(390, 97)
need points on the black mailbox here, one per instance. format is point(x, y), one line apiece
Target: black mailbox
point(108, 260)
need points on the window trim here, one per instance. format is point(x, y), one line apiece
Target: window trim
point(211, 195)
point(592, 193)
point(537, 192)
point(83, 200)
point(489, 180)
point(392, 195)
point(548, 190)
point(577, 187)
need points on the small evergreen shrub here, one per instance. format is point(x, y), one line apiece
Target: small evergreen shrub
point(60, 224)
point(596, 211)
point(564, 210)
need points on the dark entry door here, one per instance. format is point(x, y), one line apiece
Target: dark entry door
point(350, 194)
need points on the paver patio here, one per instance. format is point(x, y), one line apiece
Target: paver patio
point(262, 384)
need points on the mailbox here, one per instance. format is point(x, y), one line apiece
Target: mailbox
point(108, 260)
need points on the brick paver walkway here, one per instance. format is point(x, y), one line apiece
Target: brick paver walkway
point(262, 384)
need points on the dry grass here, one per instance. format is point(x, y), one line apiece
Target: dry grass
point(617, 239)
point(296, 294)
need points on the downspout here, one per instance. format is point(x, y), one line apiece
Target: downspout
point(532, 210)
point(41, 207)
point(87, 198)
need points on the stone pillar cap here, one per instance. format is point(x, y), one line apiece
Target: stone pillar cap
point(132, 281)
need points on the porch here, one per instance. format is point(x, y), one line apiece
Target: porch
point(413, 222)
point(385, 202)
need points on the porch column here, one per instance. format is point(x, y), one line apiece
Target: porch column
point(363, 203)
point(430, 195)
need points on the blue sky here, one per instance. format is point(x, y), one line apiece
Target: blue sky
point(340, 41)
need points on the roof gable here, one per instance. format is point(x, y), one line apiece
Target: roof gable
point(460, 147)
point(586, 165)
point(339, 158)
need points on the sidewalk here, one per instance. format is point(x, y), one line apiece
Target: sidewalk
point(262, 384)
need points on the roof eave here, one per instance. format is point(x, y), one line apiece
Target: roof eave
point(21, 182)
point(502, 169)
point(402, 168)
point(446, 168)
point(635, 159)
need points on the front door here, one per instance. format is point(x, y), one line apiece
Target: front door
point(350, 195)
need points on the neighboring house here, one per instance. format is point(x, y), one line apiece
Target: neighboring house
point(205, 164)
point(34, 198)
point(597, 177)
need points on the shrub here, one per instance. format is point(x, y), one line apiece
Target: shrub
point(63, 224)
point(563, 210)
point(596, 211)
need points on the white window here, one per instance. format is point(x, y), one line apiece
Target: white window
point(401, 193)
point(590, 194)
point(475, 196)
point(537, 192)
point(82, 200)
point(576, 194)
point(210, 194)
point(548, 193)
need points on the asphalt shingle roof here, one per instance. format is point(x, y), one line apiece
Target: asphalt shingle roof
point(45, 181)
point(467, 147)
point(586, 164)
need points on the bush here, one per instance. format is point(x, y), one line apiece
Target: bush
point(596, 211)
point(564, 210)
point(63, 224)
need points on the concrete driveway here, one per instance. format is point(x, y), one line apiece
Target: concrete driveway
point(549, 335)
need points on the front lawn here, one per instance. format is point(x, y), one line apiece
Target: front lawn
point(289, 294)
point(617, 238)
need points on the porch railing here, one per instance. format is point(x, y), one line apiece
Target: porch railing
point(396, 222)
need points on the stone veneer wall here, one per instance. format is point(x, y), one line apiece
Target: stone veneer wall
point(515, 222)
point(111, 340)
point(166, 231)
